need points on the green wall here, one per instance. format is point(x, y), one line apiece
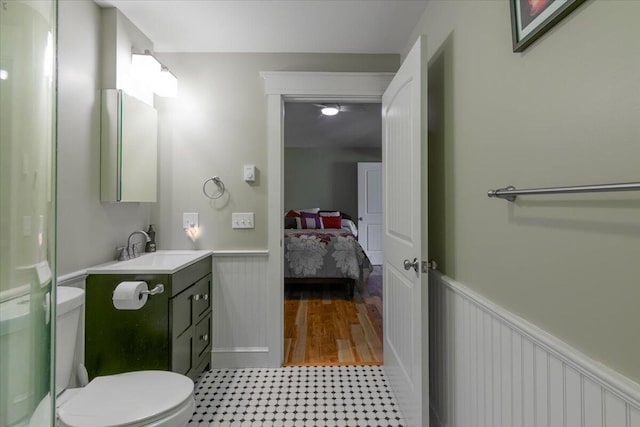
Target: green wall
point(217, 124)
point(564, 112)
point(325, 178)
point(88, 231)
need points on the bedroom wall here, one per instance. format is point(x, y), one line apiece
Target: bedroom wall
point(324, 177)
point(564, 112)
point(88, 231)
point(215, 126)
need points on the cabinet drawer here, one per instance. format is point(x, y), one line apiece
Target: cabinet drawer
point(186, 277)
point(202, 297)
point(203, 336)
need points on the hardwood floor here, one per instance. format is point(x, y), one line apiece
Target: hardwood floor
point(323, 325)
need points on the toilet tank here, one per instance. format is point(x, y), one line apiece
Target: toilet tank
point(69, 304)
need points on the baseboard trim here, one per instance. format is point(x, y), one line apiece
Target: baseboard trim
point(240, 357)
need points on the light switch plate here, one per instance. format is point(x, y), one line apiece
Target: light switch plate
point(249, 173)
point(189, 219)
point(242, 220)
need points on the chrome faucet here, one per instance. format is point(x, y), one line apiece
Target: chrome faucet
point(131, 249)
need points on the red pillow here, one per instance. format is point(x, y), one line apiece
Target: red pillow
point(331, 221)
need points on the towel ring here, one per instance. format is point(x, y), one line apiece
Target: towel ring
point(217, 181)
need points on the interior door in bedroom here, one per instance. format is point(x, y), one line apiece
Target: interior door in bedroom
point(404, 150)
point(370, 210)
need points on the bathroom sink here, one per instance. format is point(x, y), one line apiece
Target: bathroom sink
point(160, 262)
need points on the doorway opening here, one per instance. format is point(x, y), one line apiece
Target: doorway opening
point(332, 200)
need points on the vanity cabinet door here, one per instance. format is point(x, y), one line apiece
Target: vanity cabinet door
point(182, 354)
point(202, 338)
point(182, 332)
point(182, 312)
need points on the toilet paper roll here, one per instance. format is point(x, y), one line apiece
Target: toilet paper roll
point(129, 296)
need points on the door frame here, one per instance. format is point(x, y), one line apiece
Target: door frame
point(298, 86)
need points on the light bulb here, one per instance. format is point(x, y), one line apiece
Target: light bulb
point(330, 111)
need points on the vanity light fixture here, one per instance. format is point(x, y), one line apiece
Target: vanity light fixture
point(166, 83)
point(145, 67)
point(330, 110)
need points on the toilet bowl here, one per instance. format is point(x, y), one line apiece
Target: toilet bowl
point(132, 399)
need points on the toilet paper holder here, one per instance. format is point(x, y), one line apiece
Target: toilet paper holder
point(158, 289)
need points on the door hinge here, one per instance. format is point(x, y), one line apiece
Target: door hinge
point(429, 265)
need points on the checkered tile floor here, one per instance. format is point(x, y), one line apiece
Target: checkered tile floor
point(323, 396)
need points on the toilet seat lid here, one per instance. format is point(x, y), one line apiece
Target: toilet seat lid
point(125, 399)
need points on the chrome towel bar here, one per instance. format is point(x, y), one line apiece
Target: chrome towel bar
point(509, 193)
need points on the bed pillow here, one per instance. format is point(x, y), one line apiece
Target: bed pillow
point(309, 210)
point(292, 214)
point(331, 221)
point(295, 213)
point(308, 221)
point(336, 213)
point(351, 226)
point(290, 223)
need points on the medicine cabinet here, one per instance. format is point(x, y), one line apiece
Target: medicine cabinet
point(128, 149)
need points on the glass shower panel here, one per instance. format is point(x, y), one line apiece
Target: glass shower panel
point(27, 211)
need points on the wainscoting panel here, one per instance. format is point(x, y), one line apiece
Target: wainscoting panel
point(240, 309)
point(490, 368)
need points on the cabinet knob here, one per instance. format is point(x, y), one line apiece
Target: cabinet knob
point(204, 337)
point(206, 297)
point(196, 297)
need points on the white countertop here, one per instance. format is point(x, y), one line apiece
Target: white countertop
point(160, 262)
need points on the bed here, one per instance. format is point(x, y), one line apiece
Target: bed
point(322, 247)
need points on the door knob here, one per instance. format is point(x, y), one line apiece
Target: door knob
point(408, 265)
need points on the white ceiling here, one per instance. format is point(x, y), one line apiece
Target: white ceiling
point(317, 26)
point(356, 126)
point(293, 26)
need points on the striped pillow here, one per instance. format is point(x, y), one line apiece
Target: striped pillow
point(308, 221)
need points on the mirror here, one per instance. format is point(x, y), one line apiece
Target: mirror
point(129, 149)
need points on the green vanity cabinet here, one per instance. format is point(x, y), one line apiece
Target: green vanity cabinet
point(171, 332)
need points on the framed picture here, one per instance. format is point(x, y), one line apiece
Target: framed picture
point(532, 18)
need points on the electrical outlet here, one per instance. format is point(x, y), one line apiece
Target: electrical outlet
point(189, 219)
point(242, 220)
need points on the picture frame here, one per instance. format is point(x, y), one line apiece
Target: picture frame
point(530, 19)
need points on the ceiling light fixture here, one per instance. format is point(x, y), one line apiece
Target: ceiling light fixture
point(330, 110)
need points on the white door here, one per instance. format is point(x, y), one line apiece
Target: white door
point(404, 139)
point(370, 210)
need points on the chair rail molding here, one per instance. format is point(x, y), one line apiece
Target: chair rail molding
point(491, 368)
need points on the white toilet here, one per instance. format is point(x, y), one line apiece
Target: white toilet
point(132, 399)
